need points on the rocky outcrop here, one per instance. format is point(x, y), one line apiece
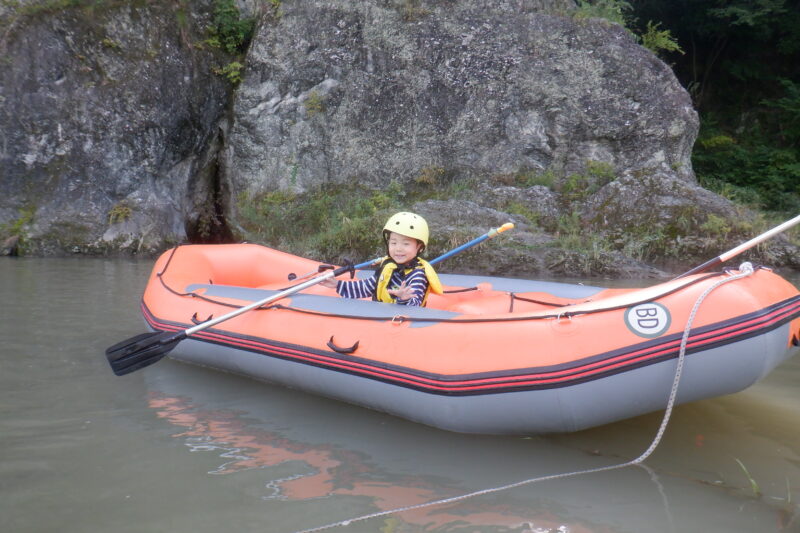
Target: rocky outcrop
point(124, 128)
point(375, 91)
point(110, 117)
point(10, 246)
point(493, 94)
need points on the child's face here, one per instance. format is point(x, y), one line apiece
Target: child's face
point(403, 249)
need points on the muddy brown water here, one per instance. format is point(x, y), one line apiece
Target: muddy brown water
point(175, 448)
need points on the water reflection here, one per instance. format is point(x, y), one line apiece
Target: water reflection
point(346, 462)
point(296, 470)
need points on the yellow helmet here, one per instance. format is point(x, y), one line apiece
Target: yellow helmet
point(407, 224)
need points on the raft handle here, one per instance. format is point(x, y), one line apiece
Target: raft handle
point(198, 321)
point(339, 349)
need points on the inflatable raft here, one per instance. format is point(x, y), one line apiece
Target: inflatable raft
point(492, 355)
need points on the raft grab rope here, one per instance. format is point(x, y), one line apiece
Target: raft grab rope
point(558, 315)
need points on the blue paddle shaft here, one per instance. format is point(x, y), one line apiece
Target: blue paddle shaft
point(488, 235)
point(473, 242)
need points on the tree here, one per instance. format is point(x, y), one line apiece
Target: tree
point(742, 67)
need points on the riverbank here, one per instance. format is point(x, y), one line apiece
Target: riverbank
point(316, 226)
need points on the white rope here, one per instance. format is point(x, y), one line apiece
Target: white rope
point(746, 269)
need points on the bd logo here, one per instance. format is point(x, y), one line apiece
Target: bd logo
point(648, 320)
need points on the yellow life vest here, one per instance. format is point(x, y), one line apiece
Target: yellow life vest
point(388, 267)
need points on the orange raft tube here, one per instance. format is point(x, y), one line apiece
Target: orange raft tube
point(492, 355)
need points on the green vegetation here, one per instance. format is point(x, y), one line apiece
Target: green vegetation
point(33, 8)
point(658, 41)
point(119, 213)
point(610, 10)
point(622, 13)
point(753, 484)
point(578, 187)
point(430, 176)
point(788, 512)
point(111, 43)
point(340, 221)
point(412, 10)
point(232, 71)
point(228, 30)
point(754, 166)
point(232, 34)
point(529, 178)
point(314, 104)
point(520, 209)
point(45, 6)
point(17, 227)
point(642, 243)
point(572, 235)
point(742, 69)
point(330, 222)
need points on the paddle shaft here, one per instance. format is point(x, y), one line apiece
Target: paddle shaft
point(270, 299)
point(488, 235)
point(742, 247)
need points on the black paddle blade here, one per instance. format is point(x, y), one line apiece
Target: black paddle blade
point(141, 351)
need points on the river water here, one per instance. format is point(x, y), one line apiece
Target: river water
point(175, 448)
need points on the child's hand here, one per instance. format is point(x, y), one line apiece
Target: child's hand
point(403, 292)
point(330, 283)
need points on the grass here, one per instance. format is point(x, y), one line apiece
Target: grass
point(331, 222)
point(119, 213)
point(789, 511)
point(314, 104)
point(335, 222)
point(753, 484)
point(343, 221)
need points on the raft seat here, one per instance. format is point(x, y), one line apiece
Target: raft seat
point(481, 301)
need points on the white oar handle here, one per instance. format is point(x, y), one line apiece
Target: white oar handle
point(761, 238)
point(742, 247)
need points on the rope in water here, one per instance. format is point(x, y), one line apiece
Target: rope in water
point(746, 269)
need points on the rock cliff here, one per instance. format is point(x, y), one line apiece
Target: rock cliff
point(110, 120)
point(370, 91)
point(126, 128)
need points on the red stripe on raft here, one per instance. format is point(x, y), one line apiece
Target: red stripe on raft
point(405, 377)
point(494, 382)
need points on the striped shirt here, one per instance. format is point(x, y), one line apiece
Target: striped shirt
point(365, 288)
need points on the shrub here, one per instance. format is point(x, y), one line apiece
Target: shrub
point(228, 31)
point(658, 41)
point(232, 71)
point(119, 213)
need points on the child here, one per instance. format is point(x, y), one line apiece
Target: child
point(402, 277)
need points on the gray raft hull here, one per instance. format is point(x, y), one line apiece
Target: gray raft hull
point(713, 372)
